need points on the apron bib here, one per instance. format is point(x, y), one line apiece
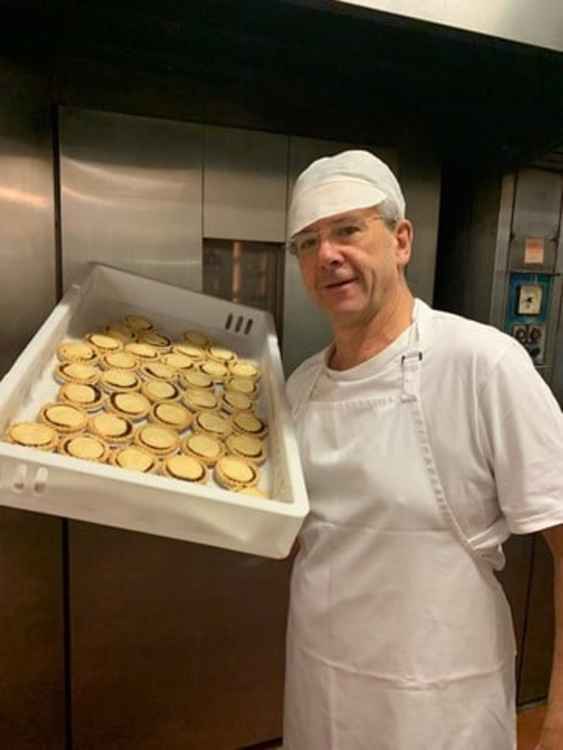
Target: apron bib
point(399, 634)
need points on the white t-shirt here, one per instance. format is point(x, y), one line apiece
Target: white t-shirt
point(495, 428)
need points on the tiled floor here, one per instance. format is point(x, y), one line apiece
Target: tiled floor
point(529, 726)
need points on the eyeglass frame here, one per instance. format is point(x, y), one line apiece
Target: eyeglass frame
point(344, 222)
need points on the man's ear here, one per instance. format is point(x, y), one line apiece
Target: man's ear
point(404, 235)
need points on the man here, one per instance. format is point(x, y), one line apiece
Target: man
point(426, 439)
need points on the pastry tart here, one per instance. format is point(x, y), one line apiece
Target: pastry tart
point(138, 323)
point(33, 435)
point(86, 447)
point(204, 447)
point(215, 370)
point(249, 424)
point(121, 332)
point(119, 381)
point(134, 406)
point(135, 459)
point(158, 371)
point(64, 417)
point(242, 385)
point(172, 415)
point(103, 343)
point(232, 402)
point(120, 361)
point(193, 352)
point(77, 351)
point(244, 368)
point(146, 352)
point(197, 338)
point(88, 397)
point(198, 400)
point(157, 390)
point(112, 428)
point(185, 468)
point(222, 355)
point(196, 379)
point(77, 372)
point(158, 440)
point(158, 340)
point(178, 361)
point(212, 423)
point(235, 473)
point(245, 446)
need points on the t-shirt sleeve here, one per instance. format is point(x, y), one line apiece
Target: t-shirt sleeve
point(522, 432)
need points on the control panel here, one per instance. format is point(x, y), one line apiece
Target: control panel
point(527, 311)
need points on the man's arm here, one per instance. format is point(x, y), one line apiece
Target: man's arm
point(552, 733)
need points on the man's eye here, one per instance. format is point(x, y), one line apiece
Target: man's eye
point(347, 230)
point(307, 243)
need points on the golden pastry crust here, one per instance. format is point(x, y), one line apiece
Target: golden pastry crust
point(103, 343)
point(64, 418)
point(157, 390)
point(120, 361)
point(197, 400)
point(121, 332)
point(234, 473)
point(191, 351)
point(212, 423)
point(173, 415)
point(138, 323)
point(215, 370)
point(120, 381)
point(77, 351)
point(197, 338)
point(114, 429)
point(203, 447)
point(33, 435)
point(247, 447)
point(245, 368)
point(161, 441)
point(156, 339)
point(85, 447)
point(88, 397)
point(158, 371)
point(144, 352)
point(185, 468)
point(242, 385)
point(196, 379)
point(77, 372)
point(249, 424)
point(179, 362)
point(134, 406)
point(233, 402)
point(222, 355)
point(133, 458)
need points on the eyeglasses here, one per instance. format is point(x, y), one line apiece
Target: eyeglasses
point(345, 232)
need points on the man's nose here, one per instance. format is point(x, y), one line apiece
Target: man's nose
point(328, 253)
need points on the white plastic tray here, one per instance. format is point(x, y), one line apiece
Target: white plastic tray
point(54, 484)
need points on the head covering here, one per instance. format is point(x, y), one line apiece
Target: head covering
point(347, 181)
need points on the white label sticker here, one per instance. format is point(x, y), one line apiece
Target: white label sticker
point(534, 252)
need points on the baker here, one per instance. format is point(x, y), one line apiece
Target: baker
point(426, 440)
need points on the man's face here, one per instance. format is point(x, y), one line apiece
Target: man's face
point(352, 264)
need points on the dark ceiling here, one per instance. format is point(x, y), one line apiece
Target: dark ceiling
point(312, 68)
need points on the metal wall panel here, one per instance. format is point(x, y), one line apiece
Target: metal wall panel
point(245, 185)
point(174, 645)
point(27, 282)
point(32, 685)
point(420, 177)
point(537, 206)
point(131, 195)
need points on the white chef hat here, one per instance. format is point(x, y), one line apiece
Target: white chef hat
point(347, 181)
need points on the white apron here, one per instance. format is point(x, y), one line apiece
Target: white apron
point(399, 634)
